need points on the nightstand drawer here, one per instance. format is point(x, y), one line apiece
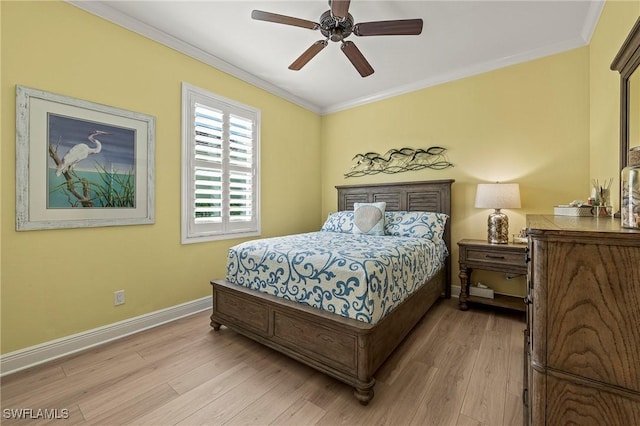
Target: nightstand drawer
point(496, 256)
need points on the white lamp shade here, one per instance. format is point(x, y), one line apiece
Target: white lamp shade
point(498, 196)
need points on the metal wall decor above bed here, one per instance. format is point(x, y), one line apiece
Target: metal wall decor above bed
point(399, 160)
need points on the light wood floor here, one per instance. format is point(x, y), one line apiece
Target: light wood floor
point(455, 368)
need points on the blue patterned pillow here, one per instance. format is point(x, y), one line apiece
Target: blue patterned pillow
point(368, 218)
point(339, 222)
point(415, 224)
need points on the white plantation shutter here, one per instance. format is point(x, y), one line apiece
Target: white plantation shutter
point(240, 197)
point(207, 168)
point(220, 179)
point(240, 169)
point(208, 195)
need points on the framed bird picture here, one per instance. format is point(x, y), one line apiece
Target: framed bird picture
point(81, 164)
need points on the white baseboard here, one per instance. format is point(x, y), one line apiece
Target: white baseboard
point(455, 290)
point(24, 358)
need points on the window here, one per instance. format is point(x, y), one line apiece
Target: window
point(220, 170)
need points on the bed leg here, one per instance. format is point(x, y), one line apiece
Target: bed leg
point(216, 325)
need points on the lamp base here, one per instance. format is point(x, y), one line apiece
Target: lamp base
point(498, 228)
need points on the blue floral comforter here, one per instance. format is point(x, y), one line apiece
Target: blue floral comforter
point(363, 277)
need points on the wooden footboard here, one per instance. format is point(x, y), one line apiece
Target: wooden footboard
point(349, 350)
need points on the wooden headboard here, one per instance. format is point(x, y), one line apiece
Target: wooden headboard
point(429, 196)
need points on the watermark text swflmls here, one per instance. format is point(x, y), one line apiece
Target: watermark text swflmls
point(35, 413)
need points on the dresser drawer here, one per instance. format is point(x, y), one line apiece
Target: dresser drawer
point(496, 256)
point(592, 328)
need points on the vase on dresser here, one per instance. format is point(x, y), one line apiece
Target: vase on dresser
point(630, 197)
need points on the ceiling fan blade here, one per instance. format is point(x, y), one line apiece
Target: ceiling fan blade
point(282, 19)
point(397, 27)
point(308, 54)
point(356, 58)
point(340, 8)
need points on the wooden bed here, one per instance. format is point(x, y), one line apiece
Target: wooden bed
point(346, 349)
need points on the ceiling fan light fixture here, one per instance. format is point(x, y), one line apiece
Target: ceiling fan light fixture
point(337, 35)
point(329, 26)
point(336, 24)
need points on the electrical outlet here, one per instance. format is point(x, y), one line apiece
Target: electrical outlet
point(118, 297)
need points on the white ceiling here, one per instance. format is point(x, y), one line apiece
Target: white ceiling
point(459, 39)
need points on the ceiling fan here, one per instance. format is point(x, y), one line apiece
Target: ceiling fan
point(336, 24)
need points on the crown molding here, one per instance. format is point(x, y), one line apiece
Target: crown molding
point(104, 11)
point(459, 74)
point(590, 22)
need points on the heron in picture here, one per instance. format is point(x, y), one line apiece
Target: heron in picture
point(79, 152)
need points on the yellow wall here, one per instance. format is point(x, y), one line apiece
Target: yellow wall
point(527, 123)
point(615, 22)
point(60, 282)
point(549, 124)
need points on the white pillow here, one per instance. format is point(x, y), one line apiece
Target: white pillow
point(368, 218)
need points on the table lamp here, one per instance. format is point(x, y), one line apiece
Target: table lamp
point(498, 196)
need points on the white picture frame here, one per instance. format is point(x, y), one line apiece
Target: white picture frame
point(81, 164)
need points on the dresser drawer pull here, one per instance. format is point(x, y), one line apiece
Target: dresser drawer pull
point(494, 257)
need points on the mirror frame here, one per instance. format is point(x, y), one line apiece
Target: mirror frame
point(626, 62)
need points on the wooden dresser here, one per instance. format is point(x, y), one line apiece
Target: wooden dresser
point(582, 343)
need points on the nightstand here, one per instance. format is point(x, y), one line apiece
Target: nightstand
point(478, 254)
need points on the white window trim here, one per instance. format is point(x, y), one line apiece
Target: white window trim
point(190, 232)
